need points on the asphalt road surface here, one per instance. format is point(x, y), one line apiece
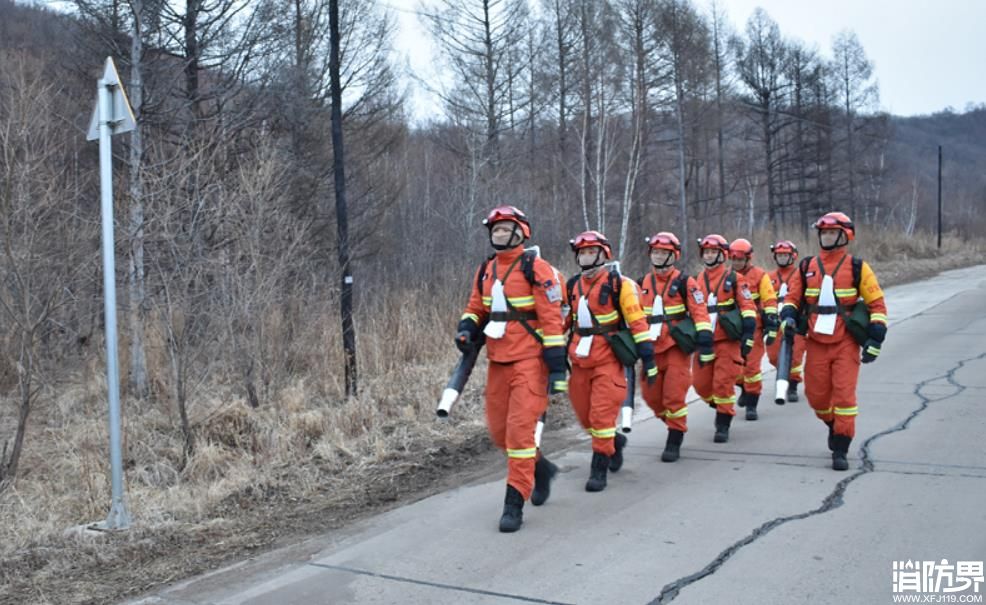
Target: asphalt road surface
point(761, 519)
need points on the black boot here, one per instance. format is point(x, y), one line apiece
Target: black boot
point(831, 426)
point(722, 427)
point(752, 399)
point(616, 460)
point(792, 391)
point(513, 511)
point(597, 473)
point(544, 473)
point(839, 461)
point(672, 449)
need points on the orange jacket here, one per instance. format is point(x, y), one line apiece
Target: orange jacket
point(606, 314)
point(845, 292)
point(544, 298)
point(762, 290)
point(715, 280)
point(675, 304)
point(779, 277)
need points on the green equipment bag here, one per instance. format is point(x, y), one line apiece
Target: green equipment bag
point(685, 335)
point(857, 322)
point(732, 323)
point(621, 342)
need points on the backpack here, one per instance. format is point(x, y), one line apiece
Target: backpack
point(856, 319)
point(527, 269)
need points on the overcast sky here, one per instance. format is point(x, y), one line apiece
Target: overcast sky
point(927, 55)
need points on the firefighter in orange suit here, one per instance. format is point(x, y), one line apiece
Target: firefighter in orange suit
point(724, 291)
point(521, 317)
point(825, 290)
point(765, 299)
point(679, 298)
point(785, 255)
point(603, 302)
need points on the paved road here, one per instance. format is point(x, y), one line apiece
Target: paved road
point(762, 519)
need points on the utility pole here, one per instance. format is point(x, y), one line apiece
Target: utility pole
point(939, 197)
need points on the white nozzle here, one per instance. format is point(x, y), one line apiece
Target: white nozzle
point(626, 419)
point(780, 396)
point(449, 397)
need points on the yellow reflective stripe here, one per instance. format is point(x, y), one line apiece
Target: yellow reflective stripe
point(755, 295)
point(749, 313)
point(487, 300)
point(703, 325)
point(471, 316)
point(797, 369)
point(679, 414)
point(670, 309)
point(791, 305)
point(648, 310)
point(812, 291)
point(639, 337)
point(823, 412)
point(878, 317)
point(526, 453)
point(724, 400)
point(554, 341)
point(846, 411)
point(723, 303)
point(521, 301)
point(608, 317)
point(874, 351)
point(751, 379)
point(770, 310)
point(652, 371)
point(846, 292)
point(603, 433)
point(707, 358)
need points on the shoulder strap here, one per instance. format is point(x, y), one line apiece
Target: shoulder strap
point(615, 282)
point(857, 272)
point(803, 270)
point(682, 286)
point(482, 271)
point(527, 266)
point(570, 287)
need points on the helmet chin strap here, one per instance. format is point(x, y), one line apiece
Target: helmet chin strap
point(720, 258)
point(596, 263)
point(509, 244)
point(668, 262)
point(840, 241)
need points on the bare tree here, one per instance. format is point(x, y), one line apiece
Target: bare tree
point(852, 72)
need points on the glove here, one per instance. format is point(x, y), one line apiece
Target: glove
point(467, 336)
point(877, 332)
point(650, 369)
point(770, 325)
point(749, 327)
point(706, 352)
point(554, 358)
point(871, 350)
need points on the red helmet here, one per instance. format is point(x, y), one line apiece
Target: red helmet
point(665, 240)
point(714, 242)
point(589, 239)
point(785, 246)
point(741, 249)
point(837, 220)
point(508, 213)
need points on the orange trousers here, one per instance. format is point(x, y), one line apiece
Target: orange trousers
point(831, 374)
point(716, 382)
point(516, 396)
point(597, 393)
point(752, 378)
point(667, 395)
point(797, 356)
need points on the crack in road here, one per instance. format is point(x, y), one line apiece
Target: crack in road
point(834, 500)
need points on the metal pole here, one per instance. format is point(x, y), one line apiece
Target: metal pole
point(118, 517)
point(939, 197)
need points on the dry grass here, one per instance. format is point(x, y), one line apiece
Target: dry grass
point(304, 447)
